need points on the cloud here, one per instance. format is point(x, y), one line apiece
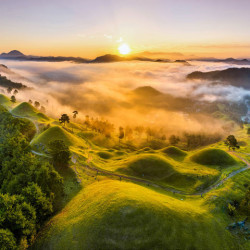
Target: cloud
point(104, 90)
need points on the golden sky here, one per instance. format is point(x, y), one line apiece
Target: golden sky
point(91, 28)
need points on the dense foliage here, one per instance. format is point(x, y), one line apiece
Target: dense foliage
point(28, 188)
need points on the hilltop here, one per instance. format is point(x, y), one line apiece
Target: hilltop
point(25, 109)
point(119, 215)
point(238, 77)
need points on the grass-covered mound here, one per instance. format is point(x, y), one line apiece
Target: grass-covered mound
point(105, 155)
point(5, 101)
point(148, 166)
point(119, 215)
point(174, 152)
point(27, 110)
point(58, 133)
point(213, 157)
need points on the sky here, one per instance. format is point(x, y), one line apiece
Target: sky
point(94, 27)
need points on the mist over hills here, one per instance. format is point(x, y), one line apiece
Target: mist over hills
point(239, 77)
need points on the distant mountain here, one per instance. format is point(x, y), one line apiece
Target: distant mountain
point(239, 77)
point(108, 58)
point(12, 54)
point(147, 91)
point(229, 60)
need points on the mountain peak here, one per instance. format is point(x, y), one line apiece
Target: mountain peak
point(13, 53)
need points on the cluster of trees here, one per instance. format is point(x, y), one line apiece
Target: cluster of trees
point(231, 142)
point(37, 105)
point(8, 84)
point(29, 189)
point(240, 207)
point(101, 126)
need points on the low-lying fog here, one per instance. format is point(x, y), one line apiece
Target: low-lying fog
point(103, 90)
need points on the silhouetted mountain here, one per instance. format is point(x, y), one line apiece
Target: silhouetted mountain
point(13, 53)
point(108, 58)
point(6, 83)
point(147, 91)
point(239, 77)
point(17, 55)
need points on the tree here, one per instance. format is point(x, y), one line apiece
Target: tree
point(15, 92)
point(37, 104)
point(13, 99)
point(173, 140)
point(30, 102)
point(248, 131)
point(34, 195)
point(121, 134)
point(7, 240)
point(75, 114)
point(139, 130)
point(9, 89)
point(128, 132)
point(64, 118)
point(42, 109)
point(60, 153)
point(245, 203)
point(231, 142)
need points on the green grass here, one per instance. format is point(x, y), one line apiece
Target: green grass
point(27, 110)
point(5, 101)
point(148, 166)
point(212, 156)
point(119, 215)
point(58, 133)
point(174, 152)
point(105, 155)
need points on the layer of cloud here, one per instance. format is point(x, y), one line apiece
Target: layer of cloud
point(104, 90)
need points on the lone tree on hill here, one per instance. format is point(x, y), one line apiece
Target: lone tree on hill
point(30, 102)
point(60, 153)
point(121, 134)
point(231, 142)
point(64, 118)
point(75, 114)
point(37, 104)
point(9, 89)
point(13, 99)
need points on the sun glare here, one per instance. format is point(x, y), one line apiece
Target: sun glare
point(124, 49)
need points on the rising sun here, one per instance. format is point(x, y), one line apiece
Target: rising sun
point(124, 49)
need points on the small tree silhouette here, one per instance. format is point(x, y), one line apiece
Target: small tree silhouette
point(64, 118)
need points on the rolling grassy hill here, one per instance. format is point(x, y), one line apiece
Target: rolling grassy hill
point(58, 133)
point(212, 156)
point(119, 215)
point(174, 152)
point(5, 101)
point(27, 110)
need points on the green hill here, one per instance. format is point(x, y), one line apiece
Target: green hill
point(5, 101)
point(148, 166)
point(58, 133)
point(174, 152)
point(213, 157)
point(119, 215)
point(27, 110)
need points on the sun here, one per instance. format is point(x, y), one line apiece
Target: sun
point(124, 49)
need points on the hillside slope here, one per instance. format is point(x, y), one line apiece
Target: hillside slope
point(119, 215)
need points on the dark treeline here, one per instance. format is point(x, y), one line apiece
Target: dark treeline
point(29, 189)
point(6, 83)
point(151, 136)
